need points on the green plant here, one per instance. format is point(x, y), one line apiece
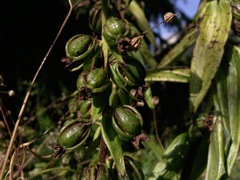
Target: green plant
point(110, 128)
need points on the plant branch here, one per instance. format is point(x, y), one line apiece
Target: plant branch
point(156, 130)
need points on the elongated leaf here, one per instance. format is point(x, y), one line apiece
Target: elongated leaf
point(154, 147)
point(209, 48)
point(234, 106)
point(112, 141)
point(216, 167)
point(149, 98)
point(147, 56)
point(228, 104)
point(186, 42)
point(141, 20)
point(168, 74)
point(222, 94)
point(169, 167)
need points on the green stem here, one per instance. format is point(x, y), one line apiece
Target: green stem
point(104, 44)
point(53, 169)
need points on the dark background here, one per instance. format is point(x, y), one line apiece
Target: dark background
point(28, 29)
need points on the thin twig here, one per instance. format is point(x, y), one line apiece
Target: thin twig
point(12, 165)
point(4, 113)
point(156, 129)
point(167, 19)
point(30, 88)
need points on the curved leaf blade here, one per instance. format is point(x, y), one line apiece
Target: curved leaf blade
point(216, 167)
point(181, 75)
point(113, 143)
point(234, 106)
point(169, 167)
point(209, 48)
point(228, 104)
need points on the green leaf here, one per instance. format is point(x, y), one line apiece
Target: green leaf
point(149, 98)
point(169, 167)
point(113, 143)
point(227, 102)
point(126, 2)
point(154, 147)
point(234, 106)
point(141, 20)
point(215, 166)
point(168, 74)
point(213, 33)
point(152, 154)
point(177, 51)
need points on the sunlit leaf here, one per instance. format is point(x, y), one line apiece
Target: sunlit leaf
point(216, 167)
point(213, 32)
point(149, 98)
point(168, 74)
point(169, 167)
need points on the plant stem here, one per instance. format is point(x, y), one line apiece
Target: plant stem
point(103, 151)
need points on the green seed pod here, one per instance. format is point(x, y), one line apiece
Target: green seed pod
point(81, 47)
point(74, 134)
point(96, 80)
point(79, 108)
point(132, 42)
point(129, 75)
point(114, 29)
point(85, 108)
point(95, 18)
point(133, 170)
point(127, 121)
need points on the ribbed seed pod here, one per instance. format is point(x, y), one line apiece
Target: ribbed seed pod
point(96, 81)
point(127, 121)
point(81, 48)
point(114, 29)
point(74, 134)
point(130, 74)
point(95, 18)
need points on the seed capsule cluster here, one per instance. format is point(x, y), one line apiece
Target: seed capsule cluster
point(108, 86)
